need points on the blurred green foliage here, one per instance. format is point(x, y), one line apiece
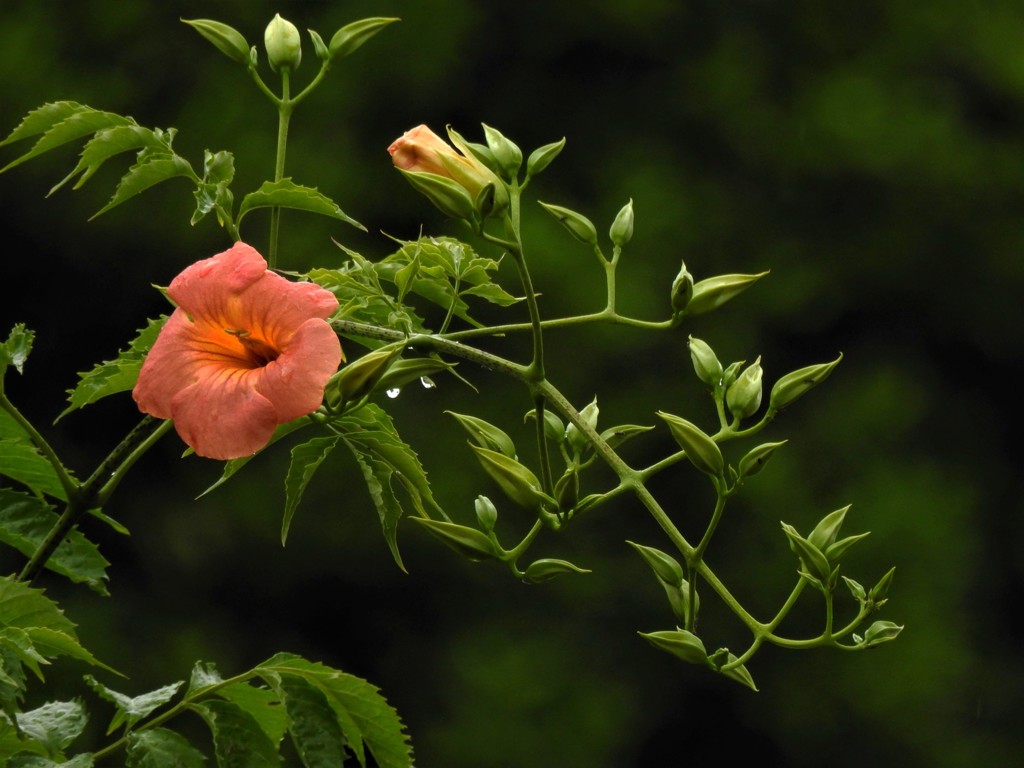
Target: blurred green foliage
point(871, 155)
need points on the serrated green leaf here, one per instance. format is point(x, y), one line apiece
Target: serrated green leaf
point(117, 375)
point(43, 118)
point(312, 723)
point(263, 705)
point(84, 760)
point(232, 466)
point(161, 748)
point(152, 168)
point(109, 143)
point(203, 676)
point(20, 460)
point(16, 349)
point(79, 123)
point(26, 607)
point(306, 460)
point(132, 709)
point(55, 724)
point(25, 522)
point(493, 293)
point(238, 740)
point(363, 713)
point(384, 459)
point(287, 194)
point(54, 642)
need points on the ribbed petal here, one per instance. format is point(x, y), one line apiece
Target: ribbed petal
point(294, 383)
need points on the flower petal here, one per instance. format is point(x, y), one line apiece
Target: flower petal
point(223, 416)
point(294, 382)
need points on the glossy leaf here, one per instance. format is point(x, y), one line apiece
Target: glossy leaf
point(111, 142)
point(16, 349)
point(305, 461)
point(55, 724)
point(117, 375)
point(287, 194)
point(161, 748)
point(43, 118)
point(25, 522)
point(132, 709)
point(312, 723)
point(78, 121)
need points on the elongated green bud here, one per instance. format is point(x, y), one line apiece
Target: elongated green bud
point(826, 531)
point(579, 226)
point(567, 490)
point(665, 567)
point(450, 197)
point(713, 292)
point(744, 395)
point(486, 434)
point(881, 632)
point(541, 157)
point(359, 378)
point(283, 43)
point(518, 482)
point(680, 643)
point(616, 436)
point(319, 46)
point(701, 450)
point(486, 513)
point(227, 40)
point(793, 385)
point(755, 460)
point(547, 569)
point(878, 592)
point(682, 290)
point(621, 231)
point(349, 38)
point(577, 440)
point(507, 155)
point(814, 562)
point(468, 542)
point(705, 362)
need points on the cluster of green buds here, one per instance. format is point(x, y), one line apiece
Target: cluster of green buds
point(283, 43)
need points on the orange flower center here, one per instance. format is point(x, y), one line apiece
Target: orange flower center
point(258, 352)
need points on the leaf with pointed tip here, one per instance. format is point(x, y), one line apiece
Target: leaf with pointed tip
point(80, 122)
point(55, 724)
point(117, 375)
point(306, 460)
point(287, 194)
point(132, 709)
point(54, 642)
point(26, 607)
point(153, 166)
point(111, 142)
point(238, 740)
point(25, 522)
point(262, 705)
point(313, 725)
point(20, 460)
point(232, 466)
point(161, 748)
point(43, 118)
point(363, 713)
point(16, 349)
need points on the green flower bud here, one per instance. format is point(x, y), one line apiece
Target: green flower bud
point(554, 429)
point(319, 46)
point(577, 440)
point(486, 434)
point(680, 643)
point(730, 373)
point(700, 449)
point(720, 661)
point(834, 552)
point(402, 372)
point(546, 569)
point(507, 155)
point(579, 226)
point(283, 43)
point(705, 362)
point(856, 589)
point(541, 157)
point(682, 290)
point(665, 567)
point(567, 490)
point(744, 395)
point(713, 292)
point(793, 385)
point(616, 436)
point(450, 197)
point(878, 593)
point(881, 632)
point(468, 542)
point(227, 40)
point(813, 560)
point(755, 460)
point(359, 378)
point(346, 40)
point(518, 482)
point(621, 231)
point(826, 531)
point(486, 513)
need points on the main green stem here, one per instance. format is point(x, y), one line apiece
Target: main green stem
point(284, 115)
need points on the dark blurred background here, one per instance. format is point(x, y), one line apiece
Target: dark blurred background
point(871, 155)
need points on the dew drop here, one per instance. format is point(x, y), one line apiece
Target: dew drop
point(427, 382)
point(394, 392)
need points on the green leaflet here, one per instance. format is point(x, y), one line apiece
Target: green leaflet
point(262, 705)
point(287, 194)
point(24, 523)
point(159, 748)
point(386, 461)
point(20, 460)
point(132, 709)
point(25, 607)
point(238, 740)
point(234, 465)
point(117, 375)
point(306, 459)
point(362, 712)
point(60, 123)
point(55, 725)
point(113, 141)
point(15, 350)
point(313, 724)
point(152, 167)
